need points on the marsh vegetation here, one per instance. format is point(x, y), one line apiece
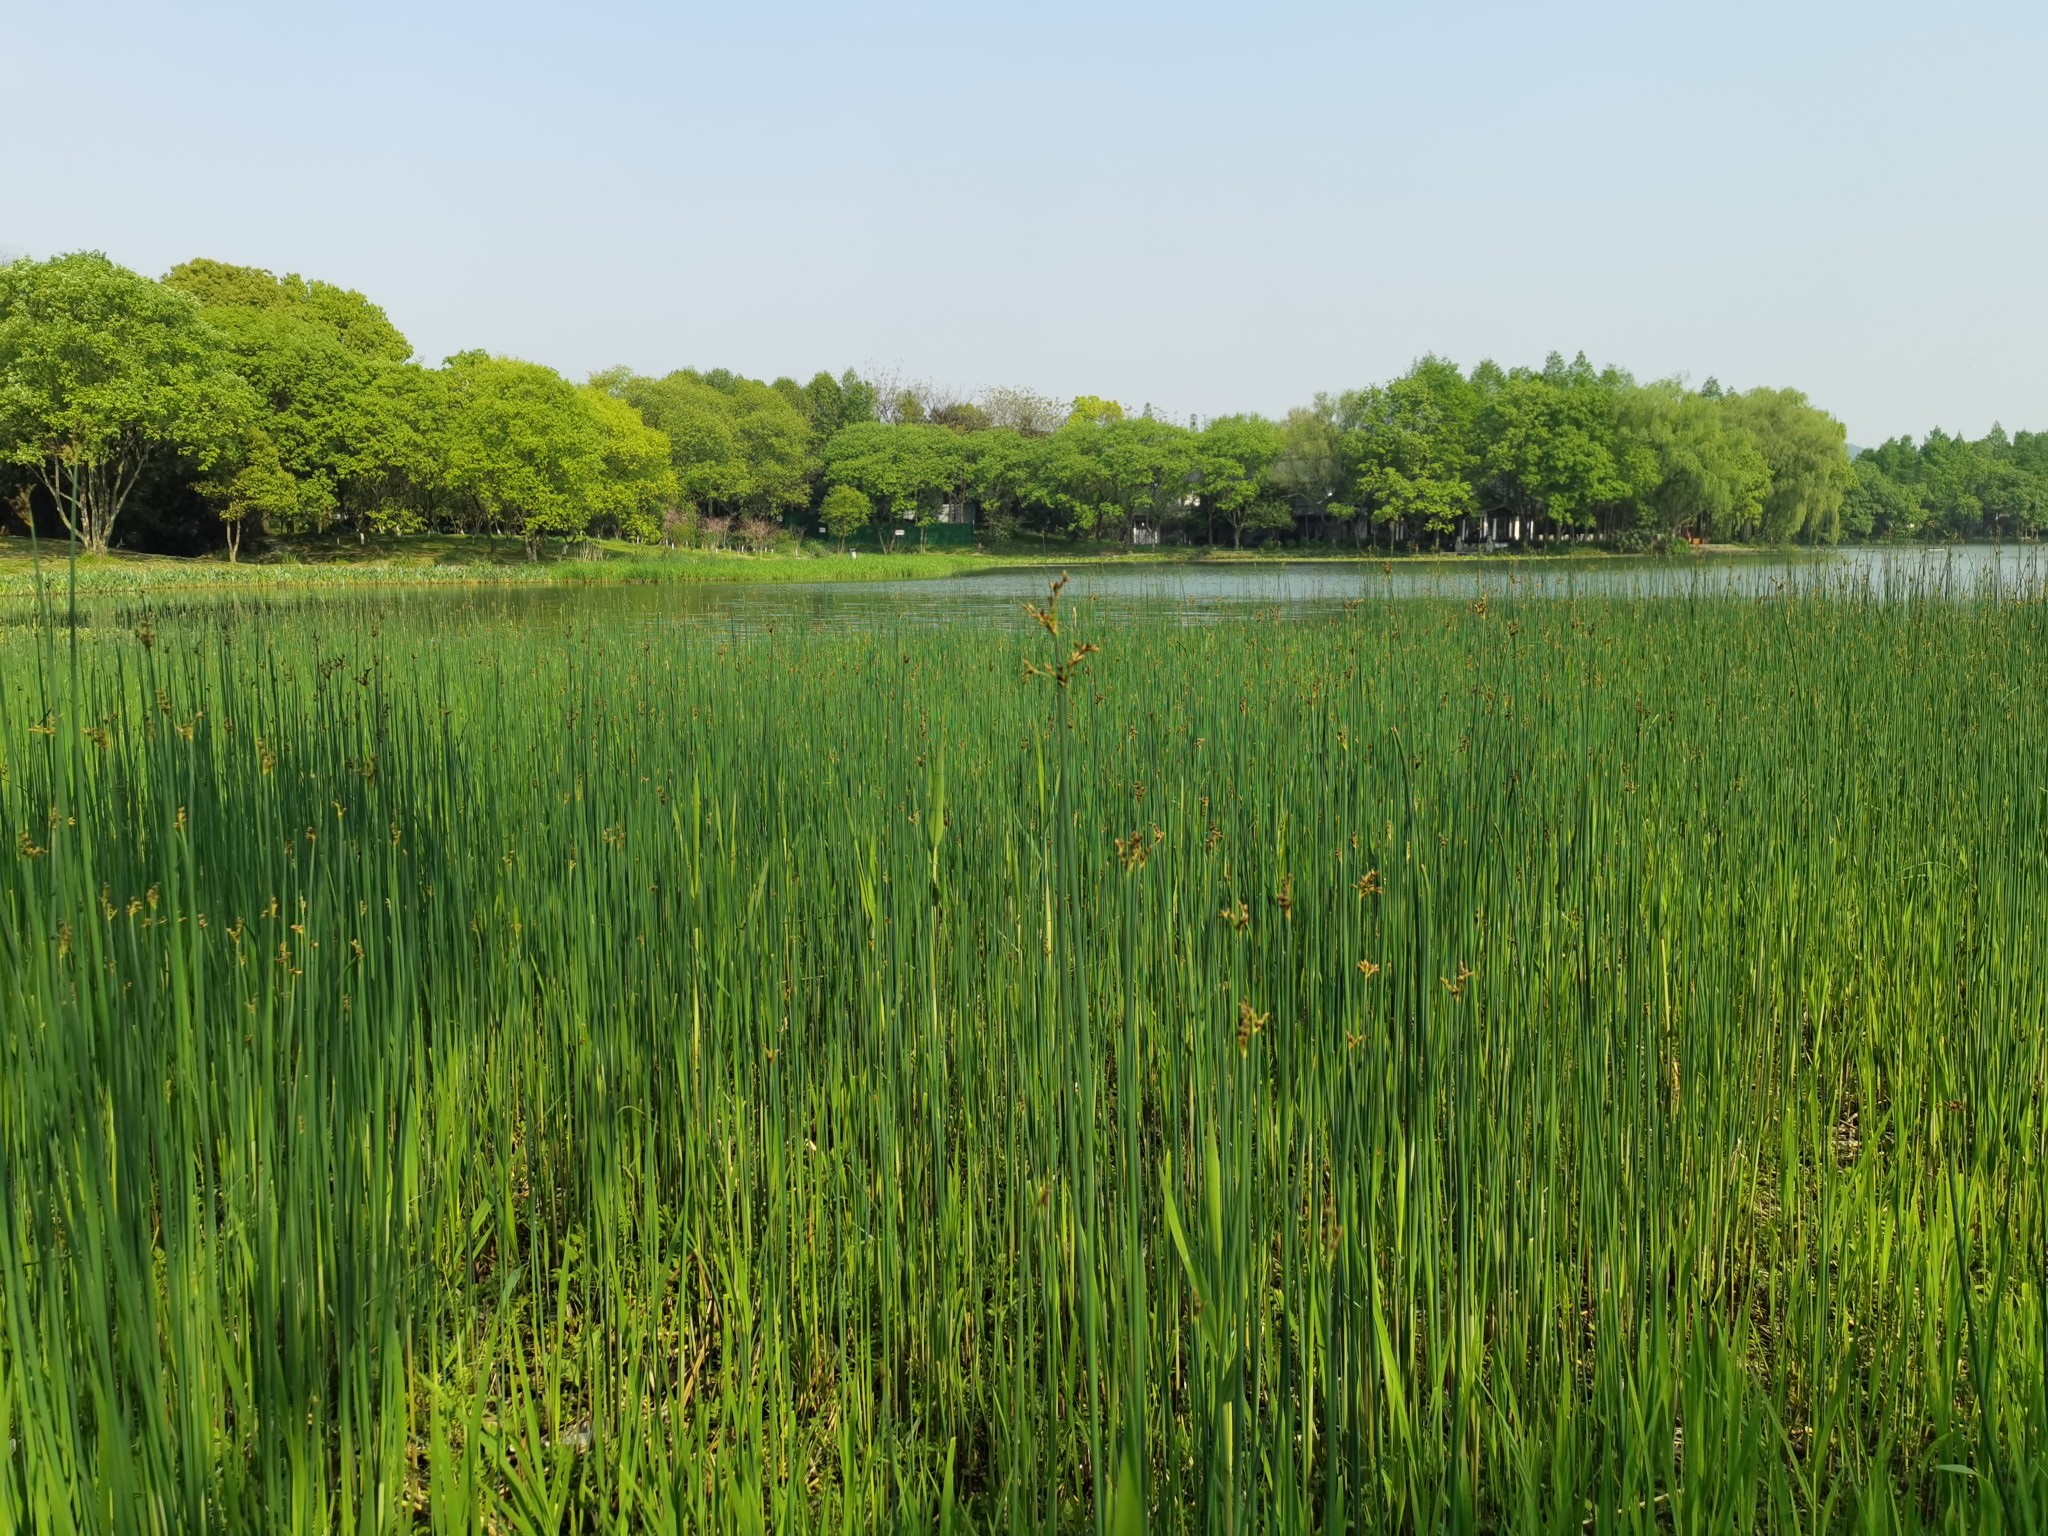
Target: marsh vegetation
point(1427, 1063)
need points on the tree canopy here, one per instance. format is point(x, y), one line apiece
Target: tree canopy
point(1950, 488)
point(737, 445)
point(102, 371)
point(282, 405)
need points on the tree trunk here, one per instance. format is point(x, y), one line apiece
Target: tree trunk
point(93, 530)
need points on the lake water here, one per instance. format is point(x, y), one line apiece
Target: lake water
point(1199, 591)
point(1202, 592)
point(1195, 592)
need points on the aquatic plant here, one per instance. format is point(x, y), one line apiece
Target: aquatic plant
point(1536, 1065)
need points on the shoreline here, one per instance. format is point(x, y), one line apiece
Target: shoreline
point(446, 562)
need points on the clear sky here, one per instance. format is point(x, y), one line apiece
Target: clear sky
point(1207, 207)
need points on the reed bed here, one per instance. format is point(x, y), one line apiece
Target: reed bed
point(1517, 1065)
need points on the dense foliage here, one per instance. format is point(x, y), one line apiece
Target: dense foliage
point(1951, 488)
point(1533, 1065)
point(225, 398)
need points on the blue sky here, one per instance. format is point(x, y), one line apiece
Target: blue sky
point(1210, 208)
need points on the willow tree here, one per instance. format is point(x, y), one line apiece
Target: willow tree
point(1807, 452)
point(1712, 478)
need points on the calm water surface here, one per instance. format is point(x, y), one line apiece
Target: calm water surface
point(1193, 593)
point(1196, 592)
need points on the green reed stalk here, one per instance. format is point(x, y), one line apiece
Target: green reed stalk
point(1563, 1064)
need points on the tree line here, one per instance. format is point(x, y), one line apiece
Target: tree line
point(223, 401)
point(1951, 488)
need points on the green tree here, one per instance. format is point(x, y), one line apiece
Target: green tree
point(1316, 470)
point(1100, 471)
point(1808, 456)
point(1424, 499)
point(1234, 458)
point(253, 486)
point(1995, 487)
point(1412, 441)
point(391, 477)
point(637, 483)
point(775, 445)
point(905, 470)
point(826, 404)
point(1550, 446)
point(309, 391)
point(1093, 411)
point(103, 372)
point(738, 445)
point(1876, 506)
point(360, 326)
point(2026, 456)
point(994, 463)
point(845, 511)
point(1148, 468)
point(352, 420)
point(704, 447)
point(1711, 478)
point(523, 448)
point(856, 401)
point(1053, 480)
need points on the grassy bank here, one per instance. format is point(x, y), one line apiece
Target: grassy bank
point(456, 562)
point(1507, 1065)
